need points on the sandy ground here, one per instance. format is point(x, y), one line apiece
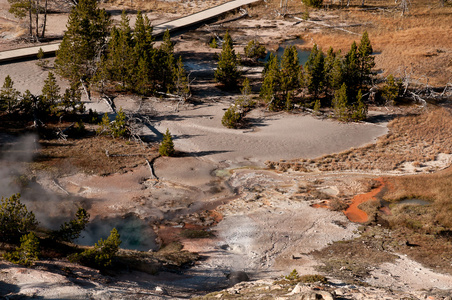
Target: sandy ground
point(266, 231)
point(269, 136)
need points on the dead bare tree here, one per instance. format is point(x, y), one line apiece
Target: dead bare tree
point(404, 5)
point(420, 90)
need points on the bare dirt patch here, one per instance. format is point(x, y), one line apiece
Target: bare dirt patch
point(417, 140)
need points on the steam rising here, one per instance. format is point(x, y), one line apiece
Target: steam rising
point(49, 208)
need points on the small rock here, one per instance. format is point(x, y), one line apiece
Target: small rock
point(237, 276)
point(299, 288)
point(160, 290)
point(317, 295)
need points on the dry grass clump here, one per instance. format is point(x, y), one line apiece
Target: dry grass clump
point(433, 187)
point(415, 40)
point(412, 138)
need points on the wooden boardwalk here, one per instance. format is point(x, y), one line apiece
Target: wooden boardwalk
point(187, 21)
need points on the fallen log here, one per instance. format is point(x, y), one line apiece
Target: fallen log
point(151, 167)
point(326, 25)
point(60, 187)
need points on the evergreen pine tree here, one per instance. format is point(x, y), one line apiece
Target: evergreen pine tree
point(228, 72)
point(102, 254)
point(328, 69)
point(120, 62)
point(359, 108)
point(15, 219)
point(144, 83)
point(84, 40)
point(351, 71)
point(71, 100)
point(9, 96)
point(104, 125)
point(232, 117)
point(366, 60)
point(317, 106)
point(167, 146)
point(166, 62)
point(145, 55)
point(391, 89)
point(142, 35)
point(27, 103)
point(340, 103)
point(270, 84)
point(27, 253)
point(50, 95)
point(314, 69)
point(180, 80)
point(228, 40)
point(254, 50)
point(118, 128)
point(70, 231)
point(336, 75)
point(290, 70)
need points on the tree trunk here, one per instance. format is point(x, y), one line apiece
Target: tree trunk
point(30, 17)
point(45, 20)
point(37, 19)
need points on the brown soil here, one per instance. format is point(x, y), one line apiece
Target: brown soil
point(76, 155)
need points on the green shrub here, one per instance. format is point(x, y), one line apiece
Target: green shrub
point(101, 255)
point(293, 278)
point(118, 128)
point(27, 253)
point(293, 275)
point(213, 43)
point(104, 125)
point(167, 146)
point(317, 106)
point(391, 89)
point(231, 118)
point(15, 219)
point(228, 72)
point(93, 117)
point(70, 231)
point(254, 50)
point(313, 3)
point(313, 278)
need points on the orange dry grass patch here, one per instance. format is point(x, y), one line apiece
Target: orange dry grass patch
point(434, 187)
point(417, 40)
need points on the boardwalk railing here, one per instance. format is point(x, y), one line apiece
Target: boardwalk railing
point(187, 21)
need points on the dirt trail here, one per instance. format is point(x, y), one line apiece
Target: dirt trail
point(353, 213)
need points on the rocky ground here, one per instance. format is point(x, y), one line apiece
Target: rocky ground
point(261, 223)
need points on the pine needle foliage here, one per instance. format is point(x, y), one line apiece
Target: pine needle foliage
point(83, 41)
point(227, 71)
point(27, 253)
point(102, 254)
point(167, 146)
point(70, 231)
point(9, 96)
point(15, 219)
point(254, 50)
